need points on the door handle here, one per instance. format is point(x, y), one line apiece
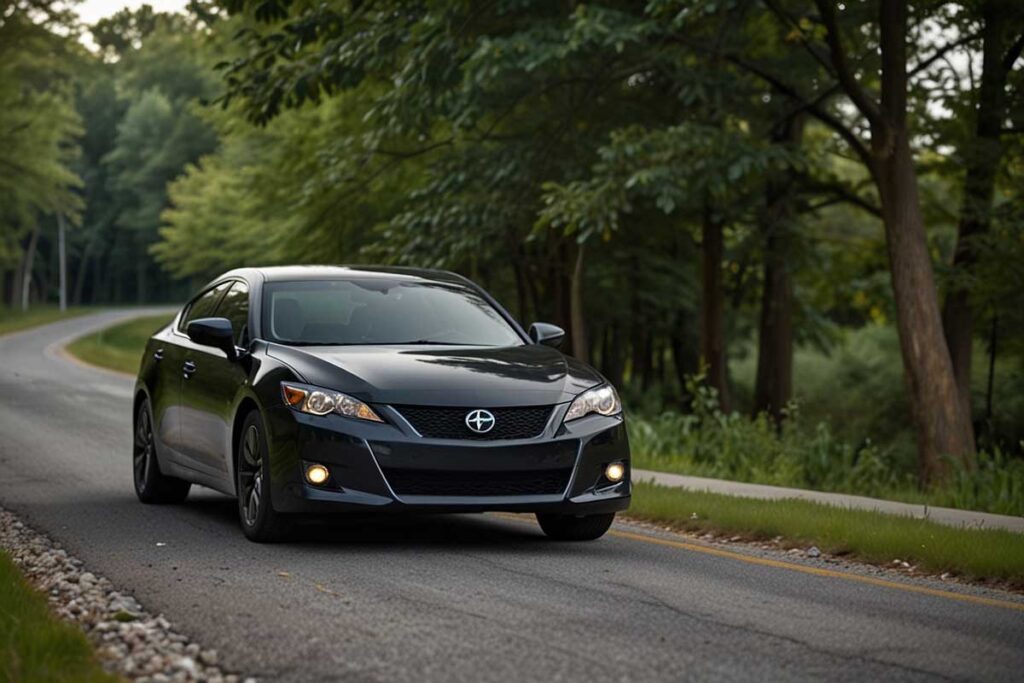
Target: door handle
point(189, 369)
point(158, 354)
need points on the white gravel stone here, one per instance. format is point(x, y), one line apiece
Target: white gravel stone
point(129, 641)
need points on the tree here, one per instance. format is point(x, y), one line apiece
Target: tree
point(1002, 39)
point(847, 61)
point(38, 127)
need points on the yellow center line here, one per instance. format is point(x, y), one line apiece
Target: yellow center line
point(815, 571)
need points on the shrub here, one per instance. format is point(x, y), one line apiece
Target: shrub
point(708, 442)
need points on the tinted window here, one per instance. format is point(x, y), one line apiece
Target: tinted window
point(381, 311)
point(203, 306)
point(235, 307)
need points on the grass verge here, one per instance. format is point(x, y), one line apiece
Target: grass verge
point(34, 644)
point(118, 347)
point(14, 320)
point(870, 536)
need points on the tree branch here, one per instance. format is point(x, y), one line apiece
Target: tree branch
point(785, 18)
point(840, 193)
point(812, 108)
point(1013, 54)
point(857, 94)
point(940, 53)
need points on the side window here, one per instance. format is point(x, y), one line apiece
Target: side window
point(235, 307)
point(203, 306)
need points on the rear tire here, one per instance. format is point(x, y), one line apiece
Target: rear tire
point(573, 528)
point(151, 485)
point(260, 522)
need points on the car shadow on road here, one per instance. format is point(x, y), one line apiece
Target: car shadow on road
point(384, 529)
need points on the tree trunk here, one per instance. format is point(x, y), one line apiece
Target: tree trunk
point(943, 427)
point(578, 322)
point(684, 355)
point(774, 383)
point(517, 274)
point(981, 158)
point(712, 314)
point(140, 283)
point(27, 266)
point(62, 262)
point(612, 360)
point(83, 269)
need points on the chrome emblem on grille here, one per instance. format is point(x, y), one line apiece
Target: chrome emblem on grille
point(480, 421)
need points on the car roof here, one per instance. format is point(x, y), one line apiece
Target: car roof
point(289, 273)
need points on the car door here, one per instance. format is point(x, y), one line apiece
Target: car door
point(167, 355)
point(203, 306)
point(209, 386)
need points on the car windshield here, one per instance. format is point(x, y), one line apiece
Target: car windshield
point(381, 311)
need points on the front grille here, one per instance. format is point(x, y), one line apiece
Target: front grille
point(450, 423)
point(461, 483)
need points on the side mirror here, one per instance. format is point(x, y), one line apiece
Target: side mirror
point(215, 332)
point(547, 334)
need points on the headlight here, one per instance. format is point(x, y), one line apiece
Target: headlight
point(316, 401)
point(602, 400)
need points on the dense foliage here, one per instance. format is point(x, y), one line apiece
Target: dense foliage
point(742, 190)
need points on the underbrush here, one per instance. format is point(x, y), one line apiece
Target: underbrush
point(707, 442)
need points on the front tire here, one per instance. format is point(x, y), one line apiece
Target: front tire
point(573, 528)
point(260, 522)
point(151, 485)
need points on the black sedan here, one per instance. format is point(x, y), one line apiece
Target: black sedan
point(318, 390)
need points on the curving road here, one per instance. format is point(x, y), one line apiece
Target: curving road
point(473, 598)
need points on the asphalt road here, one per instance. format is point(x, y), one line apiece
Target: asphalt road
point(473, 598)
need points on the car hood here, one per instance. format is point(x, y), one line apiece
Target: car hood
point(442, 375)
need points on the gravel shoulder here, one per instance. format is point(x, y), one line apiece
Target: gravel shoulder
point(130, 641)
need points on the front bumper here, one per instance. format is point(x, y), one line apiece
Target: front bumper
point(390, 468)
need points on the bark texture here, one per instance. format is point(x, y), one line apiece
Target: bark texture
point(943, 426)
point(712, 314)
point(774, 384)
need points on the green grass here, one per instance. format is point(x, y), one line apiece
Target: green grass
point(118, 347)
point(34, 644)
point(870, 536)
point(15, 320)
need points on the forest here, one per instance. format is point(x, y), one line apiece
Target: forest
point(791, 231)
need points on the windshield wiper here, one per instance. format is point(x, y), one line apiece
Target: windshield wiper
point(427, 342)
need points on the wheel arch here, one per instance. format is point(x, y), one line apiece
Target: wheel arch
point(141, 394)
point(247, 405)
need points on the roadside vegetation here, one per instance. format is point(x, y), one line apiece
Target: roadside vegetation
point(118, 347)
point(12, 320)
point(864, 535)
point(802, 453)
point(35, 646)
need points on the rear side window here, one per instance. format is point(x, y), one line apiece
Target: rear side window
point(235, 307)
point(204, 305)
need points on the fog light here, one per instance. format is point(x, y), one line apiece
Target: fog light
point(317, 474)
point(615, 472)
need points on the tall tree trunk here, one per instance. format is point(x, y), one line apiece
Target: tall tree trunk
point(518, 276)
point(712, 314)
point(27, 266)
point(83, 269)
point(684, 355)
point(578, 321)
point(612, 359)
point(981, 158)
point(943, 427)
point(774, 385)
point(62, 262)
